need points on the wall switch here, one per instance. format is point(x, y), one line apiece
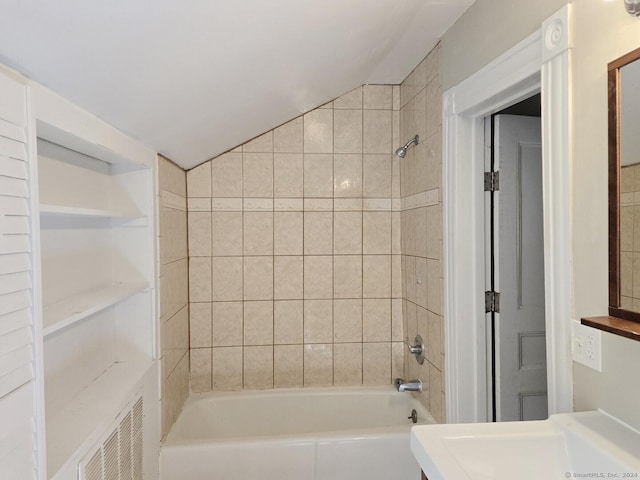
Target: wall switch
point(586, 345)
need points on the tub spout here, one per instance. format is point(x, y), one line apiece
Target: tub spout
point(410, 386)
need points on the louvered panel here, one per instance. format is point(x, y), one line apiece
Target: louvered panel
point(126, 462)
point(137, 439)
point(13, 187)
point(13, 149)
point(14, 206)
point(14, 282)
point(13, 131)
point(14, 360)
point(14, 224)
point(16, 262)
point(13, 302)
point(12, 101)
point(12, 341)
point(12, 345)
point(20, 462)
point(10, 167)
point(14, 244)
point(14, 419)
point(110, 455)
point(15, 379)
point(15, 320)
point(93, 471)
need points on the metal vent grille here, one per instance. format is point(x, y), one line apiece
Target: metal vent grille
point(119, 456)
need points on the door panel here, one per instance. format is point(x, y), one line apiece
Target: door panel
point(520, 354)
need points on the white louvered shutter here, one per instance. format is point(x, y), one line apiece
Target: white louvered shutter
point(17, 377)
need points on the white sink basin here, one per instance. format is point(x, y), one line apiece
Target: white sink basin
point(571, 445)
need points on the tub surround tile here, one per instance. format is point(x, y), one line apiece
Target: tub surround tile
point(288, 366)
point(262, 143)
point(318, 277)
point(318, 365)
point(199, 325)
point(199, 234)
point(257, 174)
point(227, 368)
point(376, 276)
point(376, 320)
point(318, 233)
point(288, 138)
point(288, 233)
point(227, 319)
point(200, 279)
point(347, 276)
point(258, 278)
point(226, 234)
point(347, 232)
point(376, 363)
point(200, 369)
point(258, 233)
point(258, 323)
point(288, 277)
point(347, 321)
point(347, 131)
point(318, 175)
point(258, 368)
point(227, 278)
point(376, 234)
point(377, 131)
point(288, 175)
point(378, 97)
point(347, 175)
point(318, 321)
point(350, 100)
point(199, 181)
point(347, 364)
point(288, 322)
point(226, 175)
point(318, 131)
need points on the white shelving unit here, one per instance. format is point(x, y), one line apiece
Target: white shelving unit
point(97, 248)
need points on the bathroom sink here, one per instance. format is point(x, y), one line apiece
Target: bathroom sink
point(572, 445)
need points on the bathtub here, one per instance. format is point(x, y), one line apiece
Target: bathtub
point(304, 434)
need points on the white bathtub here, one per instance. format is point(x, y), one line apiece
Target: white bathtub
point(309, 434)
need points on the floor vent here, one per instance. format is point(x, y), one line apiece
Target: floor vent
point(119, 456)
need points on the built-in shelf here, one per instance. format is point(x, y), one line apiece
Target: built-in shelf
point(83, 419)
point(615, 325)
point(66, 211)
point(71, 310)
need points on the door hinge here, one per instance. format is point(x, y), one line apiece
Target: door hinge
point(491, 181)
point(491, 302)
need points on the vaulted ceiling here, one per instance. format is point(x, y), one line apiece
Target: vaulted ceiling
point(192, 79)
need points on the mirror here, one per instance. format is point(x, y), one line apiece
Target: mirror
point(624, 187)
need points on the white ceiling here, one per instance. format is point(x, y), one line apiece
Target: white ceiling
point(192, 79)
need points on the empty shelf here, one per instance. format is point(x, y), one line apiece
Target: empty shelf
point(71, 310)
point(66, 211)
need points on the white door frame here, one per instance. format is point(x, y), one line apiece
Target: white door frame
point(538, 63)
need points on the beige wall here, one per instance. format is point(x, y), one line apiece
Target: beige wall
point(421, 183)
point(603, 31)
point(294, 253)
point(488, 29)
point(173, 286)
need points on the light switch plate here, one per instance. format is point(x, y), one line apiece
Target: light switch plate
point(586, 345)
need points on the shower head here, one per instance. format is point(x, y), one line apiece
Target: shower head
point(402, 151)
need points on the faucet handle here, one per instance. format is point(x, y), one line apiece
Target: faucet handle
point(418, 349)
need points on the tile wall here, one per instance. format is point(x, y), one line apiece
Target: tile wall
point(294, 252)
point(421, 220)
point(173, 290)
point(630, 237)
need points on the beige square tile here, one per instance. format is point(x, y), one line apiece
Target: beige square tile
point(409, 280)
point(200, 325)
point(347, 276)
point(435, 342)
point(171, 177)
point(288, 138)
point(434, 112)
point(200, 279)
point(376, 276)
point(396, 97)
point(227, 368)
point(378, 97)
point(422, 321)
point(258, 278)
point(318, 175)
point(350, 100)
point(419, 113)
point(258, 323)
point(288, 366)
point(257, 174)
point(263, 143)
point(226, 234)
point(318, 277)
point(318, 131)
point(396, 276)
point(199, 181)
point(396, 229)
point(199, 234)
point(347, 175)
point(318, 321)
point(258, 233)
point(421, 231)
point(288, 277)
point(376, 232)
point(377, 130)
point(226, 175)
point(288, 233)
point(347, 320)
point(422, 282)
point(258, 368)
point(318, 233)
point(434, 231)
point(433, 147)
point(376, 176)
point(347, 131)
point(432, 65)
point(435, 394)
point(227, 324)
point(227, 278)
point(434, 282)
point(288, 175)
point(347, 234)
point(376, 320)
point(397, 360)
point(288, 321)
point(376, 363)
point(410, 313)
point(396, 174)
point(318, 365)
point(200, 363)
point(347, 364)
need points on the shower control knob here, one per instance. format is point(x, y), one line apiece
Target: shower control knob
point(417, 349)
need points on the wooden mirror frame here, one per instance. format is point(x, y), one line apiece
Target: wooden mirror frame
point(614, 186)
